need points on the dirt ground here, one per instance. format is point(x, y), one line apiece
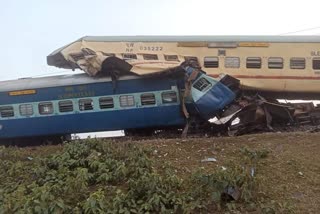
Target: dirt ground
point(289, 175)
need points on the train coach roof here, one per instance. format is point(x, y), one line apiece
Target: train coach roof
point(241, 38)
point(53, 81)
point(60, 58)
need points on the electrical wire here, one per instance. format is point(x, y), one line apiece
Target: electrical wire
point(302, 30)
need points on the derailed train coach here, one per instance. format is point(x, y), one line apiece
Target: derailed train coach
point(52, 108)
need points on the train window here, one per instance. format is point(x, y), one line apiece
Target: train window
point(316, 63)
point(126, 100)
point(211, 62)
point(150, 56)
point(128, 56)
point(106, 102)
point(26, 109)
point(45, 108)
point(171, 58)
point(232, 62)
point(85, 104)
point(202, 84)
point(275, 63)
point(108, 54)
point(148, 99)
point(6, 111)
point(253, 62)
point(297, 63)
point(192, 59)
point(65, 106)
point(169, 97)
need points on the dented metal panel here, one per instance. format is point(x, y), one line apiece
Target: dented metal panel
point(209, 95)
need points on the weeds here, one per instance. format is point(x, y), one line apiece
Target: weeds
point(93, 176)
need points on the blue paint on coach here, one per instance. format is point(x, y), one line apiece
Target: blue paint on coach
point(163, 116)
point(217, 98)
point(89, 90)
point(209, 95)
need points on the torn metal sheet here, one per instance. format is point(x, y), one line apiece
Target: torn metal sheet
point(255, 113)
point(209, 96)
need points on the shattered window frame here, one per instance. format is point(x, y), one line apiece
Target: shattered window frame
point(169, 97)
point(45, 108)
point(192, 59)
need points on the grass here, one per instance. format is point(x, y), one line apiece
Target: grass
point(164, 176)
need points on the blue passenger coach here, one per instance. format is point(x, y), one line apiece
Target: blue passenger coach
point(60, 105)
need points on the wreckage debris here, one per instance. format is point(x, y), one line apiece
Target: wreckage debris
point(235, 112)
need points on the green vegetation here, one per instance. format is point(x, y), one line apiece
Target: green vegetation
point(96, 176)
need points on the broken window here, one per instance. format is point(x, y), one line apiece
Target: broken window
point(316, 63)
point(192, 59)
point(150, 56)
point(6, 111)
point(169, 97)
point(126, 101)
point(202, 84)
point(45, 108)
point(171, 58)
point(211, 62)
point(26, 109)
point(297, 63)
point(106, 102)
point(85, 104)
point(275, 63)
point(253, 62)
point(232, 62)
point(148, 99)
point(65, 106)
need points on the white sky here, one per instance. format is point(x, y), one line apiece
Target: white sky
point(32, 29)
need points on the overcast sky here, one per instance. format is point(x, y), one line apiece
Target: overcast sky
point(32, 29)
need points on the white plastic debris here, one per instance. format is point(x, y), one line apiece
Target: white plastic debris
point(209, 160)
point(252, 171)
